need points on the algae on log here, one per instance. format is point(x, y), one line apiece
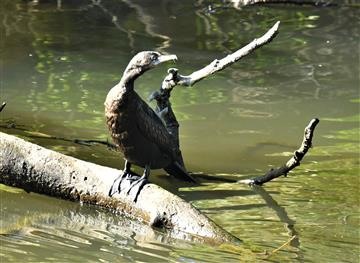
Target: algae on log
point(36, 169)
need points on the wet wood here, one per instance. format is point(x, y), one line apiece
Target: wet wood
point(36, 169)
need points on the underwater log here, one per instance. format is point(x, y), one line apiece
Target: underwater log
point(37, 169)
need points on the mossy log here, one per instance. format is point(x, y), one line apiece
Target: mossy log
point(36, 169)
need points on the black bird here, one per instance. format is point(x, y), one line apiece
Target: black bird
point(137, 130)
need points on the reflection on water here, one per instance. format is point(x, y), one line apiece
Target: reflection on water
point(60, 58)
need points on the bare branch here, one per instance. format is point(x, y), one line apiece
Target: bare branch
point(292, 163)
point(174, 78)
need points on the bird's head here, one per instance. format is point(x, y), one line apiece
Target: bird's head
point(146, 60)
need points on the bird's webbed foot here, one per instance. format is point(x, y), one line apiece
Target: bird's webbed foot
point(136, 186)
point(119, 182)
point(129, 183)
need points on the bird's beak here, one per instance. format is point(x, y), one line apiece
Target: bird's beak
point(164, 58)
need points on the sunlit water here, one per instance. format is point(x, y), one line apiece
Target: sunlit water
point(58, 63)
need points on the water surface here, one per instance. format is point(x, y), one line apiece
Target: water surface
point(59, 61)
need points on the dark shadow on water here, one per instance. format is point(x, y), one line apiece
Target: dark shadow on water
point(283, 216)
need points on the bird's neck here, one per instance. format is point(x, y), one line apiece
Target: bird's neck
point(117, 95)
point(129, 76)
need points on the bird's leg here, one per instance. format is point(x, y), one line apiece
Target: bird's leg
point(115, 188)
point(137, 185)
point(127, 167)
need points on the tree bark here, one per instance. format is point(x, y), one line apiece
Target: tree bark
point(36, 169)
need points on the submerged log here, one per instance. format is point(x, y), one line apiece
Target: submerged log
point(36, 169)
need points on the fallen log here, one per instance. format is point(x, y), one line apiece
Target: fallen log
point(36, 169)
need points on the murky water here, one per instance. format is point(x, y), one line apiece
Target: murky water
point(58, 63)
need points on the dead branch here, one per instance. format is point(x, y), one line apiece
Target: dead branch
point(174, 78)
point(292, 163)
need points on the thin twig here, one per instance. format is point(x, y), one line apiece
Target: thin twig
point(281, 247)
point(292, 163)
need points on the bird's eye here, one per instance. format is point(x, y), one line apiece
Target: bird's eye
point(153, 57)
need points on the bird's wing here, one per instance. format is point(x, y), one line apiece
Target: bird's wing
point(154, 129)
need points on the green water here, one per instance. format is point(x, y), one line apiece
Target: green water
point(59, 62)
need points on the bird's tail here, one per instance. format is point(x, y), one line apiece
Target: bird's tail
point(178, 171)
